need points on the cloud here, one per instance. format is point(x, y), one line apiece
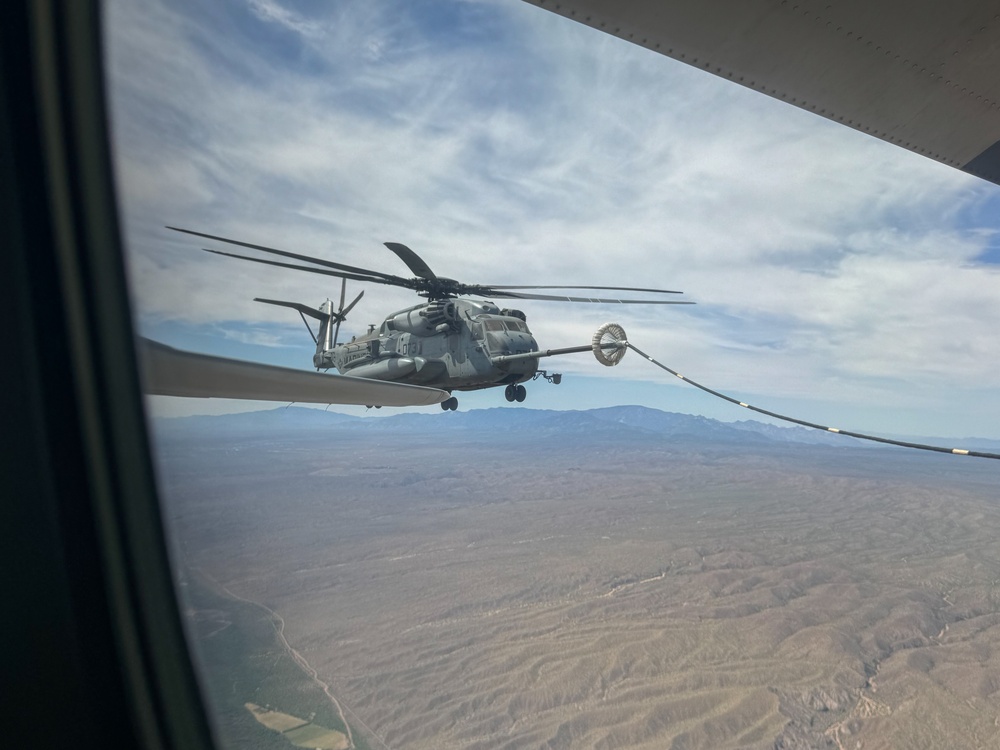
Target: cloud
point(256, 337)
point(272, 12)
point(508, 145)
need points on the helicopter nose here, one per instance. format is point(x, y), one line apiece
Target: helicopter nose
point(521, 343)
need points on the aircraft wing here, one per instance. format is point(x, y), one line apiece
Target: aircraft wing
point(922, 74)
point(172, 372)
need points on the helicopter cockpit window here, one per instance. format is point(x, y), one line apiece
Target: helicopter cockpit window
point(494, 325)
point(516, 325)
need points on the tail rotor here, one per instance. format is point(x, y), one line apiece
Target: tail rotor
point(341, 315)
point(325, 315)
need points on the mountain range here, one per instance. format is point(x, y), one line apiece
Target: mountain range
point(621, 421)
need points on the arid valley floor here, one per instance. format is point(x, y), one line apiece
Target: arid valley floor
point(520, 581)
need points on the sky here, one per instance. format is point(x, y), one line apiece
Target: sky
point(837, 278)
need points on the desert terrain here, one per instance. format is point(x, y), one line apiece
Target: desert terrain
point(549, 584)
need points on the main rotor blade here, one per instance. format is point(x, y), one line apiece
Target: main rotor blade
point(286, 254)
point(413, 261)
point(405, 283)
point(560, 286)
point(312, 312)
point(438, 288)
point(596, 300)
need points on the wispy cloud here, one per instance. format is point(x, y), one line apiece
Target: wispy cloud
point(256, 337)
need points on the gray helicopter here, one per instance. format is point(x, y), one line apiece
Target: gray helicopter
point(446, 342)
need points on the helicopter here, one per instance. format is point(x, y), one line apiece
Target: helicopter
point(448, 341)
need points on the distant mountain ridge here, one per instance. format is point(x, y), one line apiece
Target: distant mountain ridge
point(635, 421)
point(619, 420)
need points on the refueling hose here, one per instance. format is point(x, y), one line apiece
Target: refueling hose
point(862, 436)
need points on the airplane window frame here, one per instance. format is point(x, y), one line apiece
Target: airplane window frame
point(97, 653)
point(95, 625)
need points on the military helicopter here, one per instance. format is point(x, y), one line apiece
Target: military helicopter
point(446, 342)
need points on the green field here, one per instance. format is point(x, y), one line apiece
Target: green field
point(240, 660)
point(298, 731)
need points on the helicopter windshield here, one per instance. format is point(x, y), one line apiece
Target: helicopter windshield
point(506, 324)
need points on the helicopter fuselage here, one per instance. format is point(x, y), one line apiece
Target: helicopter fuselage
point(449, 344)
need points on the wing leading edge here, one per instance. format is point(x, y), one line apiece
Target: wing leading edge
point(174, 372)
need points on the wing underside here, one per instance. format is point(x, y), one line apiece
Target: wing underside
point(921, 75)
point(172, 372)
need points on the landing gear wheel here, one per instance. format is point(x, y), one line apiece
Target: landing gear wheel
point(510, 392)
point(449, 404)
point(520, 393)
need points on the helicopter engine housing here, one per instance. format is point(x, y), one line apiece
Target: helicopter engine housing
point(425, 320)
